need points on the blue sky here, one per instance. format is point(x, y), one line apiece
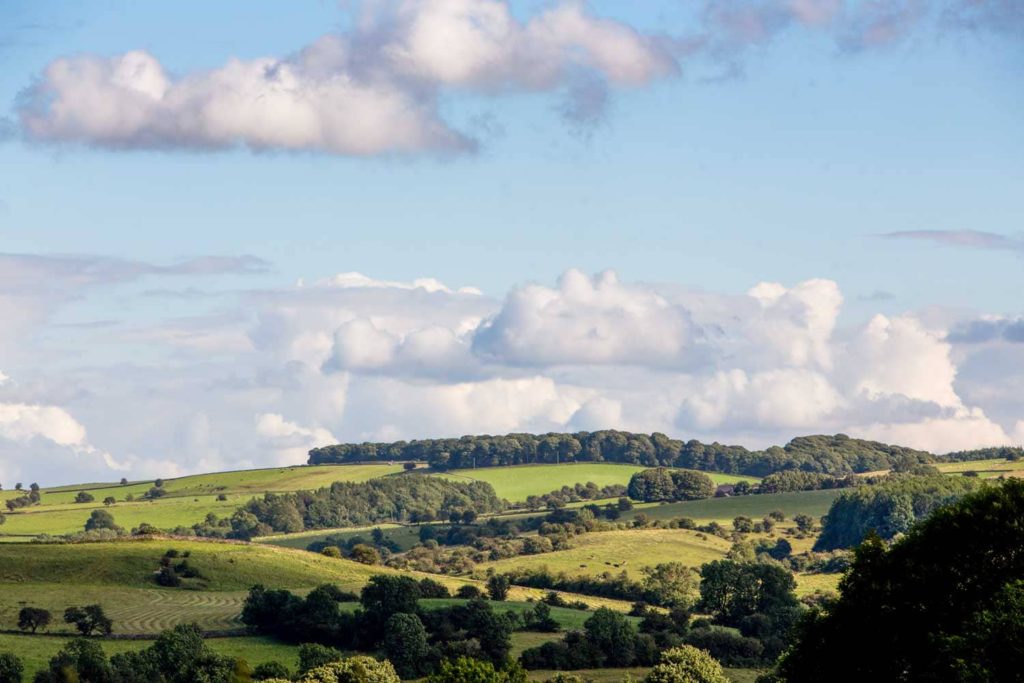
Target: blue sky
point(781, 153)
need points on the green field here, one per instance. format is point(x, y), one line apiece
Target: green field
point(813, 503)
point(188, 500)
point(518, 482)
point(616, 551)
point(987, 469)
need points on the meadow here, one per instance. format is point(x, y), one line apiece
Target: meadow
point(188, 499)
point(986, 469)
point(618, 551)
point(517, 483)
point(724, 510)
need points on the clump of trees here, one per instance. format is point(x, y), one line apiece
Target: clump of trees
point(888, 508)
point(390, 499)
point(389, 619)
point(661, 484)
point(179, 655)
point(944, 603)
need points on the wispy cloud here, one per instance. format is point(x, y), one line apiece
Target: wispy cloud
point(971, 239)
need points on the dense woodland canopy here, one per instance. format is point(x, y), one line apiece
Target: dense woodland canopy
point(888, 508)
point(837, 455)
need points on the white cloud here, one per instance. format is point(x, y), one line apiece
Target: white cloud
point(373, 90)
point(353, 358)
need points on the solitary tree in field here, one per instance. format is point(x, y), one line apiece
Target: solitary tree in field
point(124, 481)
point(100, 519)
point(497, 587)
point(89, 619)
point(33, 618)
point(109, 500)
point(84, 497)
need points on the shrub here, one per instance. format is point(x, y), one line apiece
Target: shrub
point(359, 669)
point(314, 655)
point(429, 588)
point(469, 670)
point(686, 664)
point(468, 592)
point(11, 668)
point(100, 519)
point(332, 551)
point(271, 670)
point(84, 497)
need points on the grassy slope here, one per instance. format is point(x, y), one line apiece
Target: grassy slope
point(616, 551)
point(516, 483)
point(813, 503)
point(189, 499)
point(987, 469)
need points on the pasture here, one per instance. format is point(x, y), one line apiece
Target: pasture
point(187, 502)
point(518, 482)
point(617, 551)
point(724, 510)
point(986, 469)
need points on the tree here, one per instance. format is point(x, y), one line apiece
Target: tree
point(332, 551)
point(896, 609)
point(84, 497)
point(359, 669)
point(804, 523)
point(88, 620)
point(686, 664)
point(469, 670)
point(159, 483)
point(468, 592)
point(611, 634)
point(18, 486)
point(365, 554)
point(497, 587)
point(734, 590)
point(80, 660)
point(124, 481)
point(268, 670)
point(11, 668)
point(33, 618)
point(691, 485)
point(385, 595)
point(313, 655)
point(407, 466)
point(743, 524)
point(109, 500)
point(33, 486)
point(100, 519)
point(405, 645)
point(671, 584)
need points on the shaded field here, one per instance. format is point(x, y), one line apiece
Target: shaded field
point(36, 651)
point(616, 551)
point(813, 503)
point(405, 536)
point(518, 482)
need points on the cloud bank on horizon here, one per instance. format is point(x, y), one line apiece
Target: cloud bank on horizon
point(273, 372)
point(378, 88)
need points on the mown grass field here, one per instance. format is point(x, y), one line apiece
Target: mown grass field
point(518, 482)
point(723, 510)
point(616, 551)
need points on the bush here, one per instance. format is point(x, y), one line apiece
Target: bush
point(269, 670)
point(100, 519)
point(313, 655)
point(11, 668)
point(84, 497)
point(365, 554)
point(332, 551)
point(429, 588)
point(359, 669)
point(469, 670)
point(686, 664)
point(727, 646)
point(468, 592)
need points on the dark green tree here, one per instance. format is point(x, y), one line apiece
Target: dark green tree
point(611, 634)
point(11, 668)
point(497, 587)
point(942, 604)
point(405, 645)
point(33, 618)
point(89, 620)
point(100, 519)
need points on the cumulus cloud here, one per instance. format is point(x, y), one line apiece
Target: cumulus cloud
point(355, 358)
point(372, 90)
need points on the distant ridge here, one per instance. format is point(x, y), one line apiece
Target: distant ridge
point(837, 454)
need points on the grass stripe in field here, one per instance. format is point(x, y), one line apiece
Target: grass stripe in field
point(517, 482)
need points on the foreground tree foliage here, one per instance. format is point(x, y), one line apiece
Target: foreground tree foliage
point(11, 668)
point(945, 603)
